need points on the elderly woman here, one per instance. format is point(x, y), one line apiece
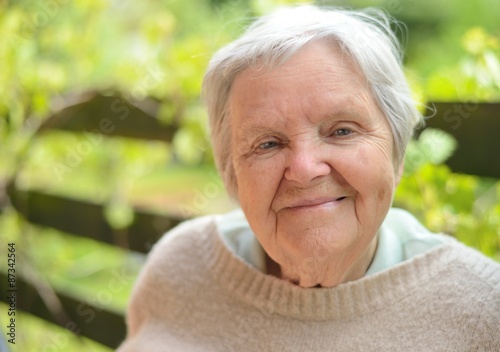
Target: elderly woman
point(310, 115)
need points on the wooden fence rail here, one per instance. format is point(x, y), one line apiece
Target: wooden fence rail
point(86, 219)
point(476, 127)
point(81, 318)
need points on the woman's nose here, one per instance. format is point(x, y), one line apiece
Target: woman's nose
point(306, 164)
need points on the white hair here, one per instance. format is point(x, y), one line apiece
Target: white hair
point(366, 36)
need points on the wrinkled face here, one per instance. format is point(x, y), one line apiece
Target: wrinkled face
point(313, 158)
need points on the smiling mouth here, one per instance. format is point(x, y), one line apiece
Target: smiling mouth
point(317, 203)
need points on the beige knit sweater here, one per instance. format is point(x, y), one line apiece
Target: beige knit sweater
point(194, 294)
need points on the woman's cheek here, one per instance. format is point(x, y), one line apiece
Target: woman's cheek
point(373, 165)
point(258, 181)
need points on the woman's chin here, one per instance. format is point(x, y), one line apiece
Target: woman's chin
point(311, 275)
point(318, 239)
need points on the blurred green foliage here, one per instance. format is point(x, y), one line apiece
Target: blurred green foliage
point(52, 50)
point(467, 207)
point(476, 76)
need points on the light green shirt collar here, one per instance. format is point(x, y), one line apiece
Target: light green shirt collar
point(401, 237)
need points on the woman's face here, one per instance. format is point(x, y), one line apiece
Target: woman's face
point(313, 158)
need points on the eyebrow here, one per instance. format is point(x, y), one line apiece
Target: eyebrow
point(351, 112)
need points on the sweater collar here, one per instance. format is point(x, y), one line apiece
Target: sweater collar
point(274, 296)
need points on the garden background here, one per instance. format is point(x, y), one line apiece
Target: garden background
point(152, 55)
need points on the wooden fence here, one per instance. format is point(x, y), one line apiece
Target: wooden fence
point(475, 126)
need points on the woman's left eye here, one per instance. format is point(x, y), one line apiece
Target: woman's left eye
point(268, 145)
point(342, 132)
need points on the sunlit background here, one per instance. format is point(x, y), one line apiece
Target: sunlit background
point(103, 142)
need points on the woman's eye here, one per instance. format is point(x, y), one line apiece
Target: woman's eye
point(342, 132)
point(268, 145)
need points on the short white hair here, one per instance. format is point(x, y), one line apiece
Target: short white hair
point(365, 35)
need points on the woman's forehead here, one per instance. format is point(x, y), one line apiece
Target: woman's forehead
point(318, 79)
point(318, 66)
point(306, 58)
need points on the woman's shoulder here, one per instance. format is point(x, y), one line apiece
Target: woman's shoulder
point(476, 284)
point(478, 266)
point(452, 262)
point(184, 231)
point(181, 254)
point(184, 241)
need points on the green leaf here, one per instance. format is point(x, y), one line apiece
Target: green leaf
point(119, 215)
point(433, 146)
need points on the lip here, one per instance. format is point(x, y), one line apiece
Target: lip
point(316, 202)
